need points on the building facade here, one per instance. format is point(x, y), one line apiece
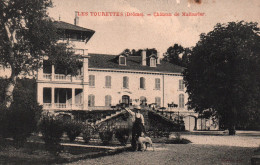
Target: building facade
point(105, 81)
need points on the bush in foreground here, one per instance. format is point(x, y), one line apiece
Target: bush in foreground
point(73, 129)
point(87, 133)
point(52, 129)
point(122, 135)
point(106, 135)
point(21, 118)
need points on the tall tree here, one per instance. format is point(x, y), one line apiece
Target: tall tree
point(223, 74)
point(185, 57)
point(26, 36)
point(173, 54)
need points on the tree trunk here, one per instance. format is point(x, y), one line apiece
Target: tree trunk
point(232, 130)
point(9, 91)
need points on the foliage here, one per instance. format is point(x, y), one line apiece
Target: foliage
point(73, 129)
point(133, 52)
point(21, 119)
point(106, 135)
point(87, 133)
point(27, 35)
point(177, 55)
point(185, 57)
point(122, 135)
point(52, 130)
point(223, 73)
point(61, 55)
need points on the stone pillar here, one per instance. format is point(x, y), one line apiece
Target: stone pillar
point(39, 94)
point(52, 97)
point(40, 72)
point(73, 98)
point(52, 72)
point(85, 82)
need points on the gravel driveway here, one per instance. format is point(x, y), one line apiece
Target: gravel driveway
point(204, 150)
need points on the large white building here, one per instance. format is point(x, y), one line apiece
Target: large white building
point(105, 81)
point(108, 80)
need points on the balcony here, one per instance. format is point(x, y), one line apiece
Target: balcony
point(47, 76)
point(61, 77)
point(62, 106)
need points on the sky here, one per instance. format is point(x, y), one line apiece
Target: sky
point(113, 34)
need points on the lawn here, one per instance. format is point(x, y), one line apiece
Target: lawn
point(34, 152)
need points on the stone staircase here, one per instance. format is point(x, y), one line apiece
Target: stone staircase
point(109, 116)
point(165, 115)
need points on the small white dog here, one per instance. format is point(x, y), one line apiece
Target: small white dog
point(145, 141)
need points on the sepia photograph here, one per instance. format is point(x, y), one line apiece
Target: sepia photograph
point(132, 82)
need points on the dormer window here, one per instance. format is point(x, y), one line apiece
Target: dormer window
point(152, 62)
point(122, 60)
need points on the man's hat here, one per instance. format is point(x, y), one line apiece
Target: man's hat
point(137, 107)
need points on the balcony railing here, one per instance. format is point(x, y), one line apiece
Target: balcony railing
point(47, 76)
point(46, 105)
point(61, 77)
point(64, 106)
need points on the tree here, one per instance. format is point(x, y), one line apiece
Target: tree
point(139, 52)
point(184, 58)
point(173, 54)
point(21, 119)
point(27, 34)
point(223, 74)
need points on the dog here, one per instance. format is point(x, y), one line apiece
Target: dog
point(145, 141)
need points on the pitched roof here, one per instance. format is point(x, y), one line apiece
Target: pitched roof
point(68, 26)
point(104, 61)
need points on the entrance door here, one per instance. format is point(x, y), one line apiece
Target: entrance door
point(125, 100)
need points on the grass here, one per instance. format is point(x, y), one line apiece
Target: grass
point(34, 152)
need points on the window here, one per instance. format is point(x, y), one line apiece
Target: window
point(108, 82)
point(181, 100)
point(143, 100)
point(125, 82)
point(91, 100)
point(108, 100)
point(152, 62)
point(46, 95)
point(122, 60)
point(157, 84)
point(181, 85)
point(92, 80)
point(142, 83)
point(158, 101)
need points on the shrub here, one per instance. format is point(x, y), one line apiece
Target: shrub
point(177, 140)
point(106, 136)
point(73, 129)
point(122, 135)
point(87, 132)
point(20, 120)
point(52, 129)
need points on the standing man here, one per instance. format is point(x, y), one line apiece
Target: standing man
point(138, 126)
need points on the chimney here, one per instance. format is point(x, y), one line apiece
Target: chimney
point(158, 58)
point(144, 57)
point(76, 19)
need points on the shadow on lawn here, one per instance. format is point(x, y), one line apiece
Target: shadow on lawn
point(34, 153)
